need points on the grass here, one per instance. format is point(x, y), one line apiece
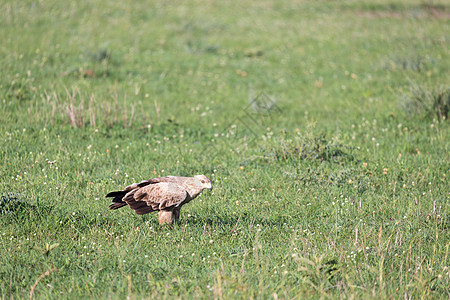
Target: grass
point(327, 183)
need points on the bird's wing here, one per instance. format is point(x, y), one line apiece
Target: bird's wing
point(150, 181)
point(157, 196)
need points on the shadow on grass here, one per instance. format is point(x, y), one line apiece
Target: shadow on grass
point(22, 212)
point(231, 221)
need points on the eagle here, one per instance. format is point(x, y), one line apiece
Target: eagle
point(163, 194)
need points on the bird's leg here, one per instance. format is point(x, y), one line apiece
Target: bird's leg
point(165, 217)
point(176, 214)
point(169, 216)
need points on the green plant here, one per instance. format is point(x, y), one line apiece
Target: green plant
point(96, 95)
point(430, 102)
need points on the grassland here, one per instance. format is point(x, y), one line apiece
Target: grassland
point(321, 124)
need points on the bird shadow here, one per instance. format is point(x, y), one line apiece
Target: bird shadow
point(231, 221)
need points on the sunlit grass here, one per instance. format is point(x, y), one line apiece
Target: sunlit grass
point(325, 184)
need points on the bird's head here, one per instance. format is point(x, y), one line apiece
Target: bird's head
point(204, 181)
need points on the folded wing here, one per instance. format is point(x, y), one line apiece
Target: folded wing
point(156, 196)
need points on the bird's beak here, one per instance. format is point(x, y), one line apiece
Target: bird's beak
point(210, 187)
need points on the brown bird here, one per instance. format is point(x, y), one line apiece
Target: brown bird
point(164, 194)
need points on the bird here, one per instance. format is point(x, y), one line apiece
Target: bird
point(163, 194)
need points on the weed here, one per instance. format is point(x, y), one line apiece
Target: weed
point(12, 204)
point(415, 64)
point(425, 101)
point(81, 110)
point(306, 147)
point(318, 272)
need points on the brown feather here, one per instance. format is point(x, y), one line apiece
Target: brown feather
point(164, 194)
point(117, 205)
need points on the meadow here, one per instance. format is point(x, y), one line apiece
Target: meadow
point(323, 126)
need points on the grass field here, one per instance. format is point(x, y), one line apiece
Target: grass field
point(322, 125)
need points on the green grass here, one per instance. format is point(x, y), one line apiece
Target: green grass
point(328, 185)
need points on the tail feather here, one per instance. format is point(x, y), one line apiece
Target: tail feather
point(117, 205)
point(115, 194)
point(117, 201)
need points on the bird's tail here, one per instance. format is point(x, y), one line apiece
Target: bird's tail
point(117, 201)
point(117, 205)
